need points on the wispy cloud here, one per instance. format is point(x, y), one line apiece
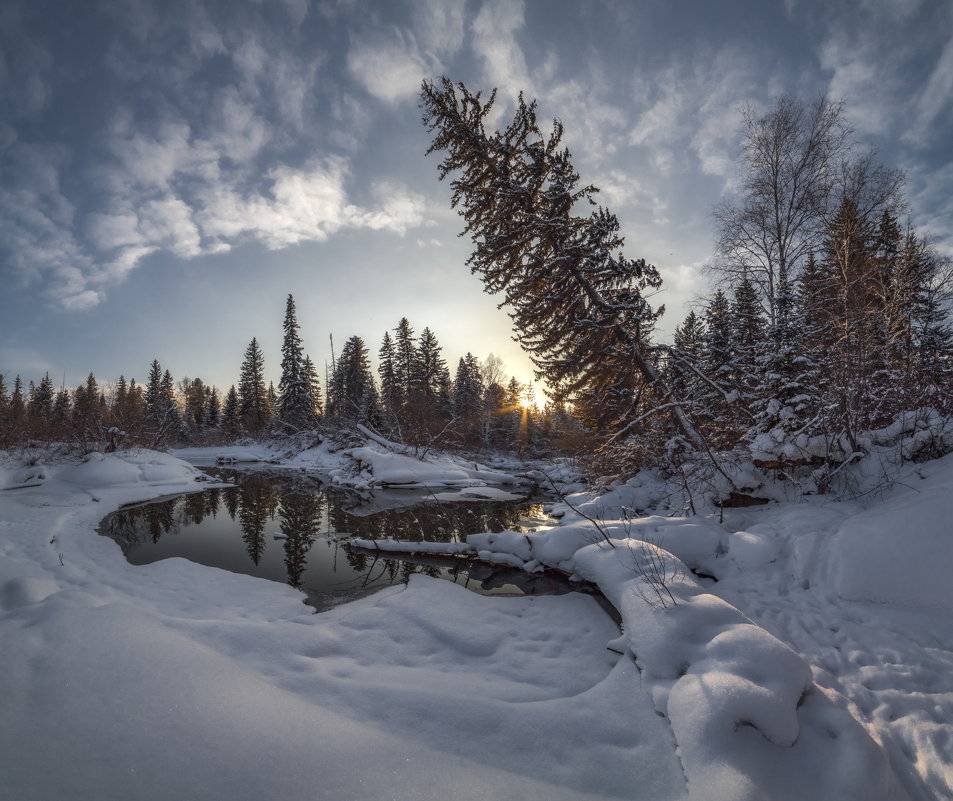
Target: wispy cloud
point(935, 99)
point(494, 42)
point(390, 67)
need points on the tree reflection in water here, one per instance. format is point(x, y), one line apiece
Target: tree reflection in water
point(269, 524)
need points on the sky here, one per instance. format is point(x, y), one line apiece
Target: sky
point(170, 170)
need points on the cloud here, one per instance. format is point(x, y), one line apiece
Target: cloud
point(391, 63)
point(108, 231)
point(494, 42)
point(390, 67)
point(620, 189)
point(931, 199)
point(305, 206)
point(694, 106)
point(439, 25)
point(935, 97)
point(26, 68)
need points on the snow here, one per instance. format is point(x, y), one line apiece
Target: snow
point(227, 453)
point(375, 465)
point(900, 554)
point(175, 680)
point(819, 665)
point(385, 469)
point(397, 546)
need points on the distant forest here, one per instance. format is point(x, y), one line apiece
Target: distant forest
point(414, 399)
point(830, 320)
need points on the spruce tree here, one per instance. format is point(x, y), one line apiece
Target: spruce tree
point(688, 355)
point(16, 412)
point(161, 414)
point(353, 395)
point(213, 408)
point(392, 395)
point(5, 425)
point(405, 357)
point(231, 413)
point(749, 342)
point(254, 404)
point(430, 367)
point(62, 412)
point(576, 301)
point(314, 387)
point(40, 408)
point(468, 397)
point(87, 413)
point(295, 406)
point(788, 403)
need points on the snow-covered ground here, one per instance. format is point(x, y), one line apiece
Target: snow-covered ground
point(820, 665)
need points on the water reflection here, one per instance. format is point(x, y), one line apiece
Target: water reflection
point(288, 528)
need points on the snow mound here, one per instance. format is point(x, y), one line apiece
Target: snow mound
point(750, 550)
point(25, 591)
point(901, 552)
point(125, 468)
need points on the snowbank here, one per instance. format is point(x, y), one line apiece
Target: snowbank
point(901, 553)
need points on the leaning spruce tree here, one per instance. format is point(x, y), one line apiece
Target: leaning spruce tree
point(575, 300)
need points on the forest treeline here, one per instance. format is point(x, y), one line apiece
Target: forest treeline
point(413, 398)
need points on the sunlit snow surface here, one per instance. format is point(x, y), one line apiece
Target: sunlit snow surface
point(174, 680)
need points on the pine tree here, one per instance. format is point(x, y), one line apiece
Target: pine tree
point(926, 278)
point(135, 411)
point(120, 399)
point(254, 403)
point(169, 401)
point(295, 405)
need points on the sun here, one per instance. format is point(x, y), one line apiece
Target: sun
point(528, 399)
